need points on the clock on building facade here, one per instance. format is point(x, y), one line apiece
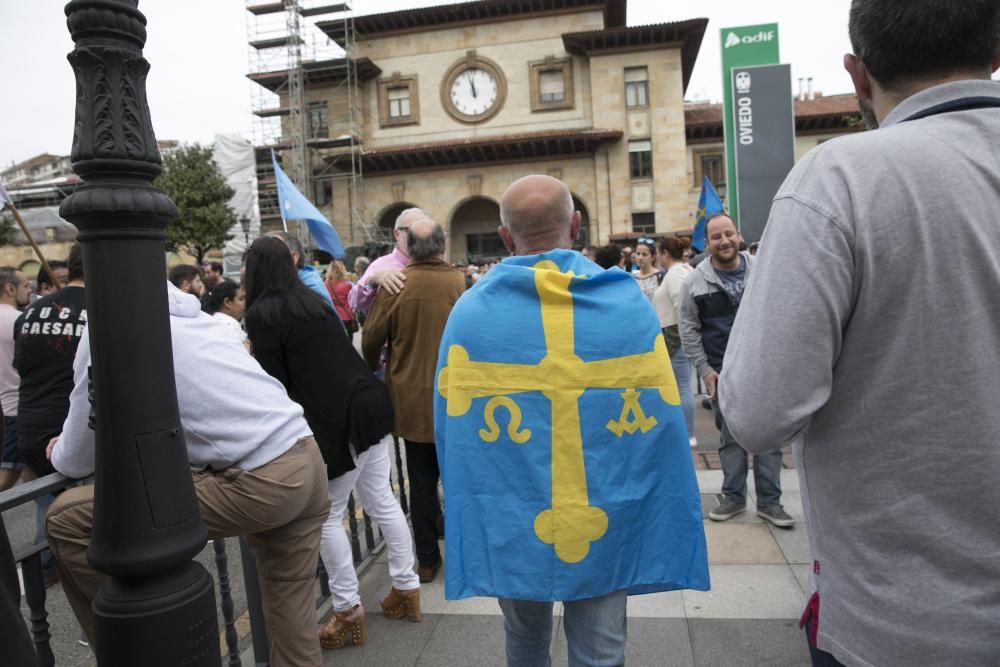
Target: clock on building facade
point(473, 89)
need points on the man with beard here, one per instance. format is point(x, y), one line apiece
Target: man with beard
point(876, 360)
point(710, 297)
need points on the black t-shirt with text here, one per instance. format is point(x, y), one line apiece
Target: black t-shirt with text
point(45, 340)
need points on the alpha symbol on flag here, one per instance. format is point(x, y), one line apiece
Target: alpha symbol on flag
point(631, 408)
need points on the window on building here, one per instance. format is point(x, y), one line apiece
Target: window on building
point(644, 223)
point(323, 187)
point(399, 102)
point(485, 245)
point(318, 119)
point(551, 84)
point(713, 166)
point(640, 159)
point(551, 87)
point(636, 87)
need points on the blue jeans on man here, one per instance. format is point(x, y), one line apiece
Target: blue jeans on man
point(766, 467)
point(596, 631)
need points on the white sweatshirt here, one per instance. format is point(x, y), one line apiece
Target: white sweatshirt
point(248, 424)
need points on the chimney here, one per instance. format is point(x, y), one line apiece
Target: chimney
point(802, 89)
point(809, 83)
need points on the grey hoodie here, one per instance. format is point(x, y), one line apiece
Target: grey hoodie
point(234, 415)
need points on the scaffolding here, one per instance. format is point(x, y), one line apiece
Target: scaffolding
point(287, 50)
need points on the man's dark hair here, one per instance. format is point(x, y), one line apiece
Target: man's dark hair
point(8, 276)
point(274, 291)
point(216, 267)
point(422, 248)
point(43, 276)
point(182, 273)
point(75, 262)
point(608, 256)
point(903, 41)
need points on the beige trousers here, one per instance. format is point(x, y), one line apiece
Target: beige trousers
point(279, 507)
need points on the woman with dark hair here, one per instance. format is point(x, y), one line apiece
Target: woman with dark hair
point(667, 301)
point(226, 302)
point(648, 273)
point(299, 340)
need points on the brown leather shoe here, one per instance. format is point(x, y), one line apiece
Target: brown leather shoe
point(428, 574)
point(344, 625)
point(399, 604)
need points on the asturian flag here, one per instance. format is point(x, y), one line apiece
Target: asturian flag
point(709, 204)
point(561, 441)
point(295, 206)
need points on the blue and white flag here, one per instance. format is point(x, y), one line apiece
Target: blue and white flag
point(561, 441)
point(4, 197)
point(709, 204)
point(295, 206)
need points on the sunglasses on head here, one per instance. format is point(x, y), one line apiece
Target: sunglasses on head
point(646, 241)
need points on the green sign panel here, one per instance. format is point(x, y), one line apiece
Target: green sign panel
point(741, 47)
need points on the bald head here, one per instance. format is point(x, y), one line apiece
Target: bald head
point(537, 215)
point(424, 238)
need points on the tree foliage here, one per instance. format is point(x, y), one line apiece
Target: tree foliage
point(8, 230)
point(193, 182)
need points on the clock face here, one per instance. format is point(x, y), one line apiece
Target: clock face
point(474, 91)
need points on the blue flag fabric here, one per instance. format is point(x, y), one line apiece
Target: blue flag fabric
point(708, 205)
point(295, 206)
point(561, 441)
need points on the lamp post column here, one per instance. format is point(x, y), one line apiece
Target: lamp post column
point(158, 607)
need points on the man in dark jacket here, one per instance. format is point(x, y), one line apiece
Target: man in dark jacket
point(412, 322)
point(710, 296)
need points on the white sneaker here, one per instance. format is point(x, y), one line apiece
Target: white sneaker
point(694, 442)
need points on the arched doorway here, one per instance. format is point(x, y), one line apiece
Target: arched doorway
point(474, 237)
point(584, 237)
point(387, 219)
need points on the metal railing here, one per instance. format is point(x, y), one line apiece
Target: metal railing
point(364, 537)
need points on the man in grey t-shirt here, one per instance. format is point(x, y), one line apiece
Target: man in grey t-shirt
point(876, 358)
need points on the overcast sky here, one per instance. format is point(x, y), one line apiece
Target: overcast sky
point(199, 58)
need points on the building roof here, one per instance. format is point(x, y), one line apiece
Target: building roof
point(319, 71)
point(684, 34)
point(32, 162)
point(481, 11)
point(479, 150)
point(703, 122)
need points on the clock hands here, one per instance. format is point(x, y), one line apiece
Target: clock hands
point(472, 83)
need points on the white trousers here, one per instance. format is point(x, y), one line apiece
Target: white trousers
point(370, 478)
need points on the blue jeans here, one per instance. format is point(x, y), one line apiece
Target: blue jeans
point(595, 631)
point(766, 467)
point(682, 372)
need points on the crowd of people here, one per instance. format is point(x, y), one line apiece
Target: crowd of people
point(844, 337)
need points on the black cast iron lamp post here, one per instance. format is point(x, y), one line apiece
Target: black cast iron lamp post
point(158, 607)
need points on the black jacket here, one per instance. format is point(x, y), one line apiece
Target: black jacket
point(342, 399)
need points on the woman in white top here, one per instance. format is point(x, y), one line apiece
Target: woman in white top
point(666, 300)
point(226, 303)
point(648, 273)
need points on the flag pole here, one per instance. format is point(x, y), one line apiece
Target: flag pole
point(38, 251)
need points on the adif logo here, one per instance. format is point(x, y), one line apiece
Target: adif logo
point(743, 82)
point(732, 39)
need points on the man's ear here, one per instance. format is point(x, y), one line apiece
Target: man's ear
point(508, 240)
point(574, 226)
point(859, 76)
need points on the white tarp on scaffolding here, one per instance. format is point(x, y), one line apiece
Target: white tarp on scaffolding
point(234, 156)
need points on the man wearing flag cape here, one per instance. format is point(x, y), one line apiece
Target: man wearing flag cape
point(561, 441)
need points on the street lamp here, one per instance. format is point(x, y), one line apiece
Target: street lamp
point(158, 607)
point(245, 224)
